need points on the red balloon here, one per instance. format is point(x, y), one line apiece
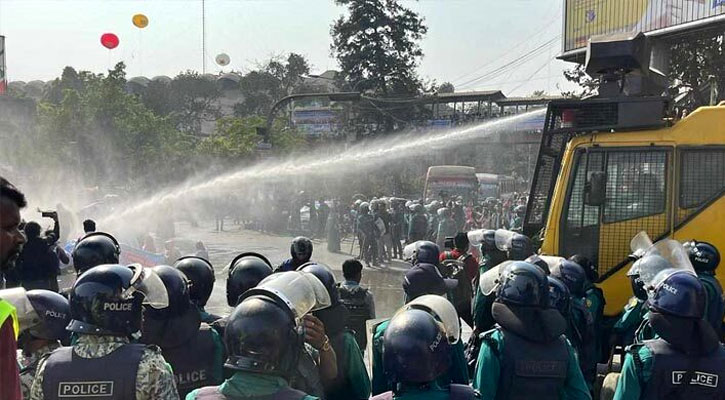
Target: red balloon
point(109, 40)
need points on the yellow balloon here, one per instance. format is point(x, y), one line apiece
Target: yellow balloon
point(140, 20)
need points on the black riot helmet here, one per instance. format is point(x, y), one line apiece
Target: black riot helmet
point(521, 247)
point(245, 272)
point(588, 265)
point(94, 249)
point(200, 274)
point(415, 349)
point(177, 287)
point(559, 296)
point(523, 284)
point(573, 276)
point(108, 299)
point(325, 275)
point(488, 241)
point(426, 252)
point(638, 289)
point(53, 310)
point(704, 256)
point(301, 249)
point(261, 336)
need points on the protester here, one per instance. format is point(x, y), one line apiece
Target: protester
point(358, 300)
point(38, 265)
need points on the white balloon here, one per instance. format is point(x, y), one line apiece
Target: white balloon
point(222, 59)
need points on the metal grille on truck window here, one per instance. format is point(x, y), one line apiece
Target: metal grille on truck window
point(636, 201)
point(702, 179)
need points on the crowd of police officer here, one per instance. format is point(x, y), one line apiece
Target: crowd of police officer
point(127, 331)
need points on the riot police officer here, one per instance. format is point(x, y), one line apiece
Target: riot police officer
point(200, 273)
point(705, 258)
point(48, 314)
point(686, 361)
point(631, 318)
point(526, 353)
point(352, 381)
point(245, 272)
point(106, 305)
point(418, 225)
point(415, 356)
point(580, 325)
point(300, 252)
point(594, 301)
point(94, 249)
point(192, 348)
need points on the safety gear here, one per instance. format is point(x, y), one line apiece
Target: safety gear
point(16, 305)
point(94, 249)
point(484, 237)
point(489, 281)
point(681, 294)
point(441, 309)
point(639, 244)
point(261, 336)
point(426, 279)
point(704, 256)
point(665, 254)
point(54, 313)
point(107, 299)
point(413, 348)
point(559, 296)
point(301, 249)
point(421, 252)
point(299, 291)
point(324, 274)
point(200, 273)
point(177, 288)
point(572, 275)
point(355, 300)
point(523, 284)
point(245, 272)
point(670, 368)
point(546, 263)
point(214, 393)
point(516, 245)
point(67, 376)
point(364, 208)
point(588, 265)
point(193, 361)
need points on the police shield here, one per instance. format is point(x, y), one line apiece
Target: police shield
point(371, 326)
point(302, 292)
point(27, 316)
point(489, 280)
point(440, 308)
point(652, 274)
point(147, 282)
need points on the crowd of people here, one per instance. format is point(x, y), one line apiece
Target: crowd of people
point(295, 332)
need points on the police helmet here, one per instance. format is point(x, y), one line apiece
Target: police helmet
point(488, 242)
point(559, 296)
point(588, 265)
point(523, 284)
point(325, 275)
point(301, 249)
point(108, 299)
point(426, 253)
point(521, 247)
point(200, 274)
point(245, 272)
point(573, 276)
point(704, 256)
point(539, 262)
point(177, 287)
point(53, 310)
point(415, 349)
point(364, 207)
point(261, 336)
point(94, 249)
point(680, 294)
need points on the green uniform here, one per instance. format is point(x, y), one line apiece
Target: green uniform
point(457, 373)
point(433, 392)
point(626, 326)
point(154, 379)
point(594, 301)
point(633, 380)
point(29, 364)
point(488, 369)
point(249, 384)
point(644, 330)
point(356, 376)
point(482, 318)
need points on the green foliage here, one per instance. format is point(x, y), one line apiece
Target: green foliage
point(587, 85)
point(446, 87)
point(233, 138)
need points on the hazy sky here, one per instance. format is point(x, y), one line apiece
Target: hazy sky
point(466, 38)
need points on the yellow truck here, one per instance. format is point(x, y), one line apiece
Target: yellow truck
point(623, 162)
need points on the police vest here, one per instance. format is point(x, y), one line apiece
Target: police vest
point(354, 299)
point(457, 392)
point(213, 393)
point(671, 370)
point(193, 361)
point(68, 376)
point(529, 367)
point(715, 305)
point(583, 339)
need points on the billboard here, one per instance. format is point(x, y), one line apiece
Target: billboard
point(586, 18)
point(3, 75)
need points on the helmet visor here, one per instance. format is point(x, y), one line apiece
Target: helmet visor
point(409, 252)
point(640, 243)
point(672, 251)
point(27, 316)
point(301, 291)
point(475, 237)
point(442, 310)
point(552, 261)
point(147, 282)
point(503, 239)
point(489, 280)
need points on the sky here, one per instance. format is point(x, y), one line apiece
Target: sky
point(468, 41)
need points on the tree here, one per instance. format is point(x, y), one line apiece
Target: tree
point(193, 99)
point(694, 60)
point(588, 85)
point(446, 87)
point(233, 138)
point(377, 46)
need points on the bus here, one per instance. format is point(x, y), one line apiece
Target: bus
point(444, 181)
point(496, 186)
